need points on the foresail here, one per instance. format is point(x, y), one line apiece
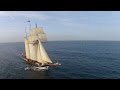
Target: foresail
point(27, 50)
point(44, 55)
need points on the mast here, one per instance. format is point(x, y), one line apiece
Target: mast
point(26, 32)
point(36, 25)
point(38, 42)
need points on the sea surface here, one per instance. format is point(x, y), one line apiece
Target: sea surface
point(79, 59)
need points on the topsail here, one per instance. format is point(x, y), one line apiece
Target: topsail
point(36, 34)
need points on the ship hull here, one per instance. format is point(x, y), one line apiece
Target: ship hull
point(38, 64)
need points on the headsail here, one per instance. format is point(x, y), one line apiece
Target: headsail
point(44, 56)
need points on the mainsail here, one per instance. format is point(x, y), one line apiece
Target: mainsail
point(34, 48)
point(33, 51)
point(27, 49)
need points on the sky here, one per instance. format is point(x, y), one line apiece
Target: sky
point(61, 25)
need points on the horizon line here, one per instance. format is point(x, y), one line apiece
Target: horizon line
point(64, 40)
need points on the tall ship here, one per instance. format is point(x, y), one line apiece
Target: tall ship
point(34, 53)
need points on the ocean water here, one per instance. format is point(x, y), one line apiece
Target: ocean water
point(80, 60)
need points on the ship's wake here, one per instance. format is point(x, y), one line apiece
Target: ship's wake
point(34, 68)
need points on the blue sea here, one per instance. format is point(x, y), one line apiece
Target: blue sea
point(79, 59)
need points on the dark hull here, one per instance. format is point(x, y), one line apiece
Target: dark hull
point(35, 63)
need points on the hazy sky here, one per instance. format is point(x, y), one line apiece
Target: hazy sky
point(61, 25)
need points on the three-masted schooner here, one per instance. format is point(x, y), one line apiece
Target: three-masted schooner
point(35, 54)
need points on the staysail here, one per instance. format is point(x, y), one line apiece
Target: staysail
point(44, 56)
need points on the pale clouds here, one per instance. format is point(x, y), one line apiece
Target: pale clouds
point(62, 25)
point(26, 14)
point(41, 15)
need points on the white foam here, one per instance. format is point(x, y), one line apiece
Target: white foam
point(34, 68)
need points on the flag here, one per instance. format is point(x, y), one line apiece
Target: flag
point(28, 21)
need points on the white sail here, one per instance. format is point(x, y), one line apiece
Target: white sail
point(39, 58)
point(27, 50)
point(34, 33)
point(33, 51)
point(44, 56)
